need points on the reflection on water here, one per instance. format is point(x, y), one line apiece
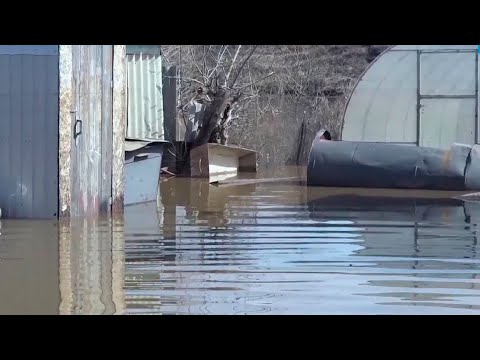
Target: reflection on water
point(92, 267)
point(250, 249)
point(52, 268)
point(29, 267)
point(280, 249)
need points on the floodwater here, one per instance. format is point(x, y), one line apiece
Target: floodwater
point(250, 249)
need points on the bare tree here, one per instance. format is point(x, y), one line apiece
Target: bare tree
point(221, 78)
point(237, 99)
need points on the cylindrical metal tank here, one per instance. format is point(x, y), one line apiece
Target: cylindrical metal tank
point(383, 165)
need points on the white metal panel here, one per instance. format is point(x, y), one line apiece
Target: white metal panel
point(446, 121)
point(382, 107)
point(145, 100)
point(447, 74)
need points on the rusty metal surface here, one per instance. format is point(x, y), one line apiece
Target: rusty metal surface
point(65, 129)
point(97, 94)
point(29, 92)
point(106, 128)
point(92, 140)
point(119, 123)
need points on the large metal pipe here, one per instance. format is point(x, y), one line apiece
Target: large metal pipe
point(384, 165)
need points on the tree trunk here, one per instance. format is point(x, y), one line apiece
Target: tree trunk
point(211, 129)
point(212, 117)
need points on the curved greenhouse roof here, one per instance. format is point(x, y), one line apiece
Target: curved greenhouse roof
point(423, 95)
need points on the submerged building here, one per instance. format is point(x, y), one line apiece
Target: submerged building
point(65, 112)
point(62, 124)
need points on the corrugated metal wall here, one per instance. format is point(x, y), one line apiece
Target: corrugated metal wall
point(29, 131)
point(145, 100)
point(423, 95)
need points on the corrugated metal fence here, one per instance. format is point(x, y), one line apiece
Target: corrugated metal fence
point(145, 100)
point(29, 131)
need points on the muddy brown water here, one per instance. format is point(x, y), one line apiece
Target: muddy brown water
point(250, 249)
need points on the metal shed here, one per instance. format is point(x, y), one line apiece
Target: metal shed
point(145, 92)
point(62, 124)
point(424, 95)
point(146, 133)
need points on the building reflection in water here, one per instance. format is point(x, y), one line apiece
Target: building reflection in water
point(430, 244)
point(91, 267)
point(169, 240)
point(406, 227)
point(29, 267)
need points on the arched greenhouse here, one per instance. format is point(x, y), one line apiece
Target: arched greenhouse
point(425, 95)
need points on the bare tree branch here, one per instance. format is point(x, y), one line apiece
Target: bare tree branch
point(184, 78)
point(205, 66)
point(233, 63)
point(193, 56)
point(255, 82)
point(243, 64)
point(218, 61)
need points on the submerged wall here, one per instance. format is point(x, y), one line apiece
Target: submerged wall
point(91, 128)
